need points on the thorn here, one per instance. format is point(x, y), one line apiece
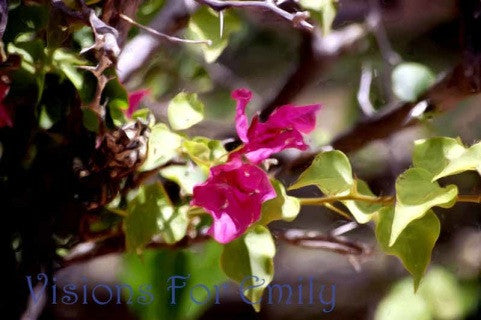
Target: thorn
point(221, 23)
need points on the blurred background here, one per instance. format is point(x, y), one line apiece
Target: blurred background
point(349, 71)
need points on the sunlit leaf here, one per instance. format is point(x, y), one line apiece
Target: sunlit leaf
point(415, 195)
point(322, 10)
point(435, 154)
point(204, 25)
point(205, 152)
point(162, 146)
point(184, 111)
point(186, 176)
point(469, 160)
point(282, 207)
point(330, 171)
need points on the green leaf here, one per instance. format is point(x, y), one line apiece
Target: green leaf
point(67, 64)
point(282, 207)
point(142, 114)
point(151, 213)
point(156, 267)
point(469, 160)
point(205, 152)
point(184, 111)
point(330, 171)
point(415, 195)
point(32, 52)
point(187, 177)
point(410, 80)
point(162, 146)
point(118, 100)
point(361, 210)
point(248, 257)
point(116, 110)
point(205, 25)
point(434, 154)
point(322, 10)
point(90, 120)
point(413, 245)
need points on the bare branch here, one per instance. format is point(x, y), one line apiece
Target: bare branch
point(297, 19)
point(317, 240)
point(308, 239)
point(164, 36)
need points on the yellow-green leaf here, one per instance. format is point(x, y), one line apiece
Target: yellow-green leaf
point(205, 152)
point(435, 154)
point(205, 25)
point(469, 160)
point(414, 244)
point(249, 261)
point(415, 195)
point(187, 177)
point(163, 145)
point(282, 207)
point(362, 211)
point(185, 110)
point(330, 171)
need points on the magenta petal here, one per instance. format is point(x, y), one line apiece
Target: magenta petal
point(233, 195)
point(224, 229)
point(134, 100)
point(242, 96)
point(302, 118)
point(5, 118)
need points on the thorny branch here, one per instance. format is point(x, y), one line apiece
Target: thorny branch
point(298, 19)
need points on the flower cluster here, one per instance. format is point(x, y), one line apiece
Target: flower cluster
point(234, 192)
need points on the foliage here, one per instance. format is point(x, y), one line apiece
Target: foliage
point(64, 102)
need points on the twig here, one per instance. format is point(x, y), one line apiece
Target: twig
point(298, 19)
point(358, 197)
point(139, 50)
point(318, 240)
point(163, 36)
point(469, 198)
point(340, 212)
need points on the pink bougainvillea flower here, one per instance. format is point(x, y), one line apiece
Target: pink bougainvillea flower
point(135, 98)
point(233, 195)
point(5, 118)
point(283, 129)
